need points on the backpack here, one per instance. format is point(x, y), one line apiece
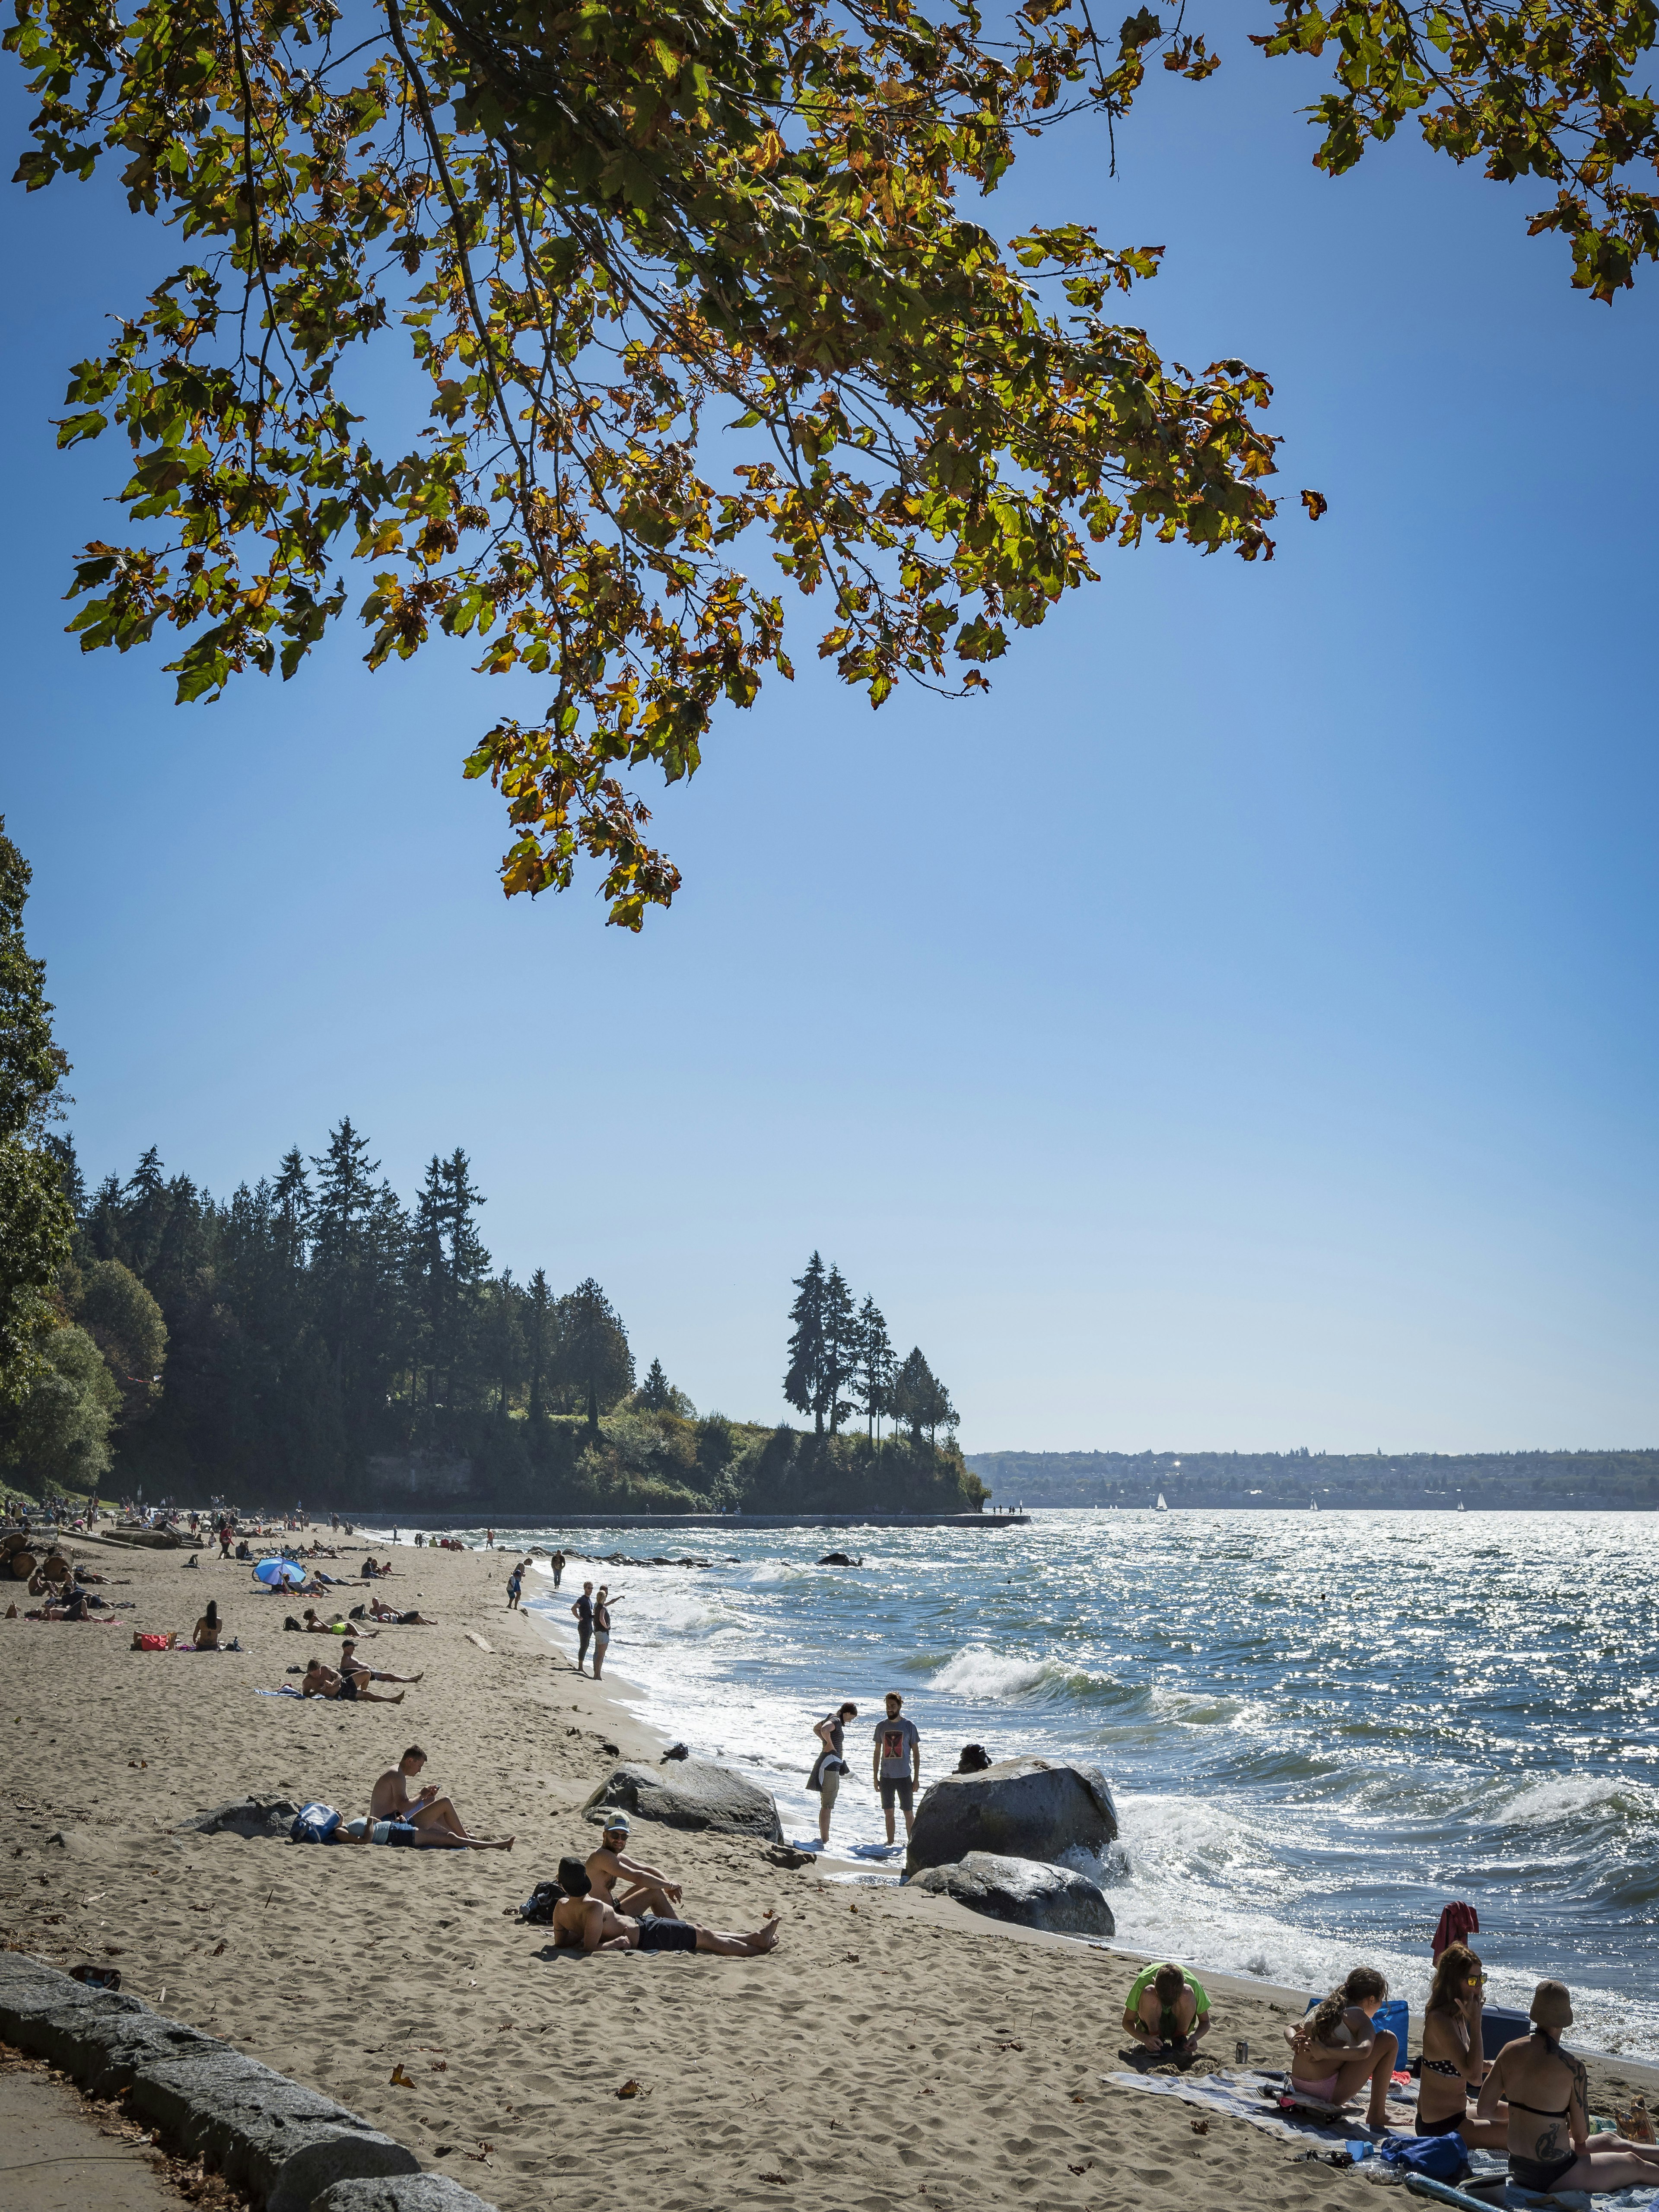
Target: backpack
point(538, 1907)
point(1441, 2158)
point(314, 1824)
point(290, 1622)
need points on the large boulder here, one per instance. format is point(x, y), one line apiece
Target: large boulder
point(1018, 1808)
point(692, 1794)
point(1024, 1891)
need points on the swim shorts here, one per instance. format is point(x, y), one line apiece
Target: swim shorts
point(400, 1831)
point(657, 1935)
point(899, 1785)
point(828, 1786)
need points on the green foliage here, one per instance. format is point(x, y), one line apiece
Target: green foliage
point(36, 1223)
point(657, 1395)
point(784, 1472)
point(59, 1435)
point(620, 246)
point(124, 1320)
point(594, 1363)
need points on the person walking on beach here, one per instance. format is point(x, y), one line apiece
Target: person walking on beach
point(898, 1763)
point(515, 1584)
point(557, 1565)
point(601, 1630)
point(831, 1763)
point(583, 1609)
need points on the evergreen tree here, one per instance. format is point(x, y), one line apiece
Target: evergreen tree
point(803, 1382)
point(502, 1338)
point(36, 1224)
point(657, 1395)
point(143, 1215)
point(539, 1341)
point(921, 1400)
point(877, 1364)
point(594, 1359)
point(840, 1348)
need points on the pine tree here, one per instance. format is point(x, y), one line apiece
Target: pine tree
point(292, 1208)
point(656, 1394)
point(876, 1363)
point(467, 1264)
point(841, 1347)
point(594, 1359)
point(920, 1400)
point(538, 1341)
point(144, 1214)
point(803, 1382)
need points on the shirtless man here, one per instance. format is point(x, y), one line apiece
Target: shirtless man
point(361, 1672)
point(321, 1682)
point(379, 1610)
point(390, 1801)
point(581, 1922)
point(647, 1891)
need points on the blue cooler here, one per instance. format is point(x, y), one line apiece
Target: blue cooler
point(1501, 2024)
point(1392, 2015)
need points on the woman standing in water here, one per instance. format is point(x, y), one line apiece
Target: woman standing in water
point(601, 1629)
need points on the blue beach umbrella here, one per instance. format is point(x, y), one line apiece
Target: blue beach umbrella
point(277, 1574)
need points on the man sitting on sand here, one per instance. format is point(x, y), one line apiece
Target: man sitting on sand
point(390, 1801)
point(361, 1672)
point(647, 1891)
point(581, 1922)
point(393, 1618)
point(321, 1682)
point(1166, 2011)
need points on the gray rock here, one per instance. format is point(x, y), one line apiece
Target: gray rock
point(695, 1794)
point(1021, 1809)
point(1025, 1891)
point(282, 2143)
point(400, 2192)
point(268, 1817)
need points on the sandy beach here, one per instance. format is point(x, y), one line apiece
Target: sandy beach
point(893, 2047)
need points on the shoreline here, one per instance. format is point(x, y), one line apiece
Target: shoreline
point(651, 1738)
point(892, 2046)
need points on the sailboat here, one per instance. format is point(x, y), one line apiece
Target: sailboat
point(1163, 1503)
point(1312, 1505)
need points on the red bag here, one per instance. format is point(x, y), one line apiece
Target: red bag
point(152, 1642)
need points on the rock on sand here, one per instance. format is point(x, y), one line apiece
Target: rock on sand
point(693, 1794)
point(1025, 1891)
point(1021, 1809)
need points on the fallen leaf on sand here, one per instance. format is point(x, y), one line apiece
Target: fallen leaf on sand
point(851, 1958)
point(769, 2177)
point(439, 2065)
point(1200, 2126)
point(217, 1952)
point(630, 2088)
point(1008, 2047)
point(1084, 2168)
point(401, 2079)
point(441, 2150)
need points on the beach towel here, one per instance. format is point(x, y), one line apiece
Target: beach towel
point(1457, 1923)
point(1248, 2093)
point(287, 1690)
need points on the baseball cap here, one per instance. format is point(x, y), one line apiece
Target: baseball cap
point(615, 1821)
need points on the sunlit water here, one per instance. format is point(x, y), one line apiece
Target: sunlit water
point(1318, 1728)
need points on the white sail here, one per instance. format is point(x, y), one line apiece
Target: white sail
point(1163, 1506)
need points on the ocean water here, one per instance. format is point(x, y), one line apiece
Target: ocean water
point(1318, 1728)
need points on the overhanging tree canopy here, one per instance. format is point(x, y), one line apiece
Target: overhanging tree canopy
point(685, 275)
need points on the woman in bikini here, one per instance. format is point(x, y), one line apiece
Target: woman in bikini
point(1454, 2065)
point(1335, 2050)
point(1550, 2144)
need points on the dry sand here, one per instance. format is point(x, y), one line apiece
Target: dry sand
point(893, 2048)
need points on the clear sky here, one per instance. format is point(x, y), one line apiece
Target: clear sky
point(1236, 1032)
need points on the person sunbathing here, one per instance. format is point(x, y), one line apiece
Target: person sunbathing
point(321, 1681)
point(584, 1922)
point(361, 1671)
point(379, 1610)
point(208, 1629)
point(647, 1890)
point(1335, 2050)
point(1543, 2089)
point(390, 1801)
point(1167, 2011)
point(1454, 2064)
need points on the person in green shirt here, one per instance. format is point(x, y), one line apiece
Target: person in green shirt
point(1167, 2011)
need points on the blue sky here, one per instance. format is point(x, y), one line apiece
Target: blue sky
point(1236, 1032)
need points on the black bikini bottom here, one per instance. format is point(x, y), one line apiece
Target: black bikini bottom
point(1450, 2126)
point(1539, 2174)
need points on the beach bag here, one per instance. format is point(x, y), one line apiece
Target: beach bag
point(150, 1642)
point(538, 1907)
point(1441, 2158)
point(314, 1824)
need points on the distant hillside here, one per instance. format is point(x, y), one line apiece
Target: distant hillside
point(1581, 1481)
